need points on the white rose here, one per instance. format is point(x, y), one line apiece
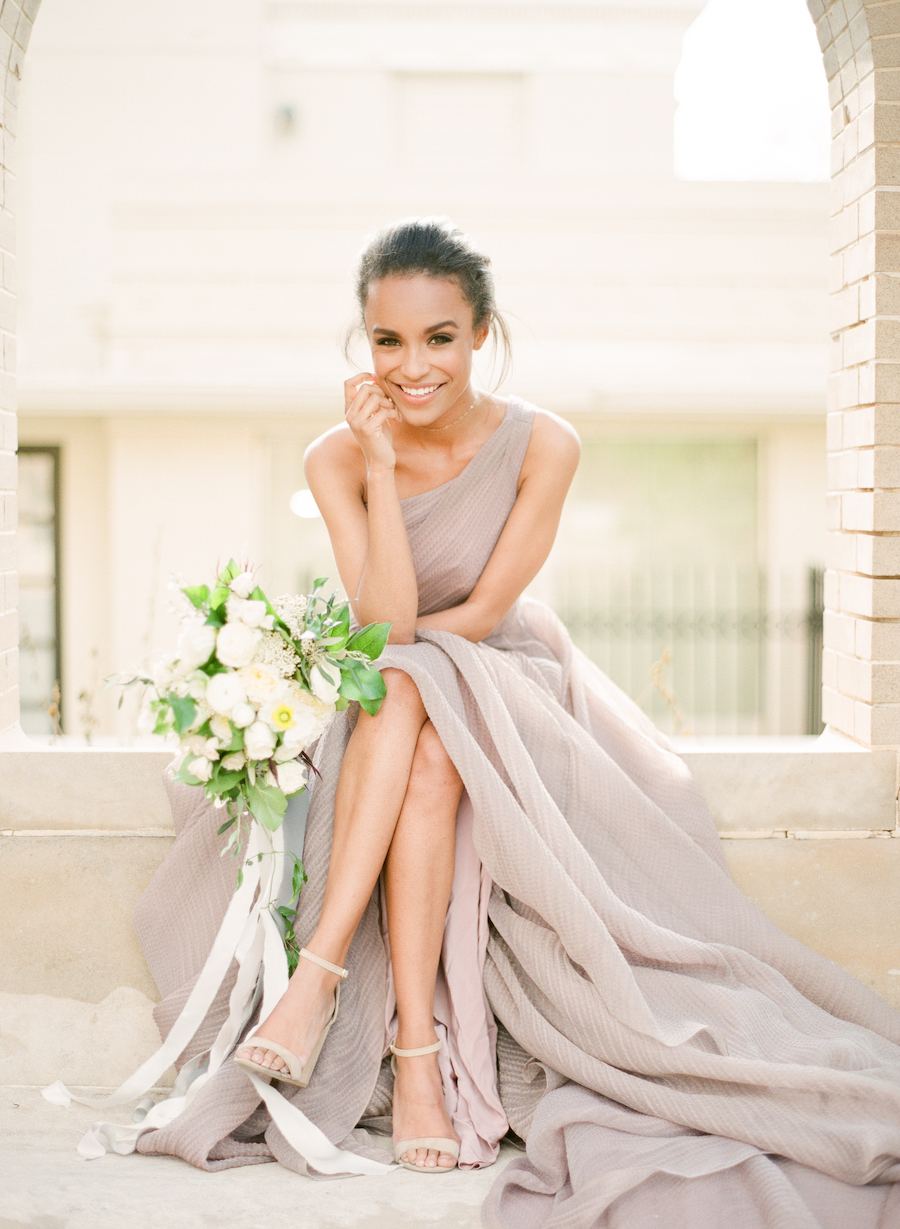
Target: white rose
point(291, 777)
point(243, 715)
point(236, 644)
point(195, 645)
point(201, 768)
point(221, 728)
point(323, 688)
point(243, 585)
point(260, 682)
point(259, 741)
point(239, 610)
point(234, 762)
point(223, 692)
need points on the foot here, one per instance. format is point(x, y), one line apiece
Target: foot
point(298, 1019)
point(419, 1108)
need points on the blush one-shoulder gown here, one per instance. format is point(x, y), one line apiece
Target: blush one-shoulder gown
point(668, 1055)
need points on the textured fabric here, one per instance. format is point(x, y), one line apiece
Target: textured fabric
point(668, 1054)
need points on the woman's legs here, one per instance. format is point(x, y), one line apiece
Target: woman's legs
point(418, 878)
point(371, 788)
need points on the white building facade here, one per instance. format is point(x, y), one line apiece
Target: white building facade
point(191, 209)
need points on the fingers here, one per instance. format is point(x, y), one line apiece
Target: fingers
point(370, 409)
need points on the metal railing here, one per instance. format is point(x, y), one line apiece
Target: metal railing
point(717, 650)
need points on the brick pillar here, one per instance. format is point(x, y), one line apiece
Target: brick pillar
point(16, 18)
point(861, 671)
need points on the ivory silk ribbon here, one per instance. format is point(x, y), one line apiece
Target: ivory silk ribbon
point(250, 936)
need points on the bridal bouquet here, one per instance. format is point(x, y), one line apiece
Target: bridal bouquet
point(253, 683)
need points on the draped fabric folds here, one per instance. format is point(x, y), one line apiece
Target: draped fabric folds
point(668, 1054)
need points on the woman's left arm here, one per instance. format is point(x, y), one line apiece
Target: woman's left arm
point(523, 546)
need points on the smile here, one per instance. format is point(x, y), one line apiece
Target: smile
point(420, 392)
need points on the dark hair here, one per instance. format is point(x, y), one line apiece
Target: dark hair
point(437, 248)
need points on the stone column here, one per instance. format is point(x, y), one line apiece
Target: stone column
point(861, 50)
point(16, 18)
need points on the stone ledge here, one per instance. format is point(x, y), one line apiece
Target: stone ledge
point(84, 788)
point(795, 790)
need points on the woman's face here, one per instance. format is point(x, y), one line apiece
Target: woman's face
point(422, 337)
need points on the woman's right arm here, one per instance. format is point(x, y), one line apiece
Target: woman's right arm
point(370, 545)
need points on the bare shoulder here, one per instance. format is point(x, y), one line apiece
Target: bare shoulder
point(553, 441)
point(334, 453)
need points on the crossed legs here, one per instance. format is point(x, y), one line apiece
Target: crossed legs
point(395, 807)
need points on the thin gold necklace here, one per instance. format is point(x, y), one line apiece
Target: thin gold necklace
point(448, 425)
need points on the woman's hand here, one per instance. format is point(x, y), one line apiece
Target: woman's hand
point(369, 414)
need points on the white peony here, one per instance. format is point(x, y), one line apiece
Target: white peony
point(223, 692)
point(201, 768)
point(243, 585)
point(259, 741)
point(240, 610)
point(260, 682)
point(323, 688)
point(243, 715)
point(234, 762)
point(236, 644)
point(291, 777)
point(221, 728)
point(195, 645)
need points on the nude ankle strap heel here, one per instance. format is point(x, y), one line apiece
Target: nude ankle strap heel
point(438, 1143)
point(295, 1073)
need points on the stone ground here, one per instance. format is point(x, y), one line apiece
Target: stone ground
point(44, 1184)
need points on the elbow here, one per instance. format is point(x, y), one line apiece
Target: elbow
point(402, 635)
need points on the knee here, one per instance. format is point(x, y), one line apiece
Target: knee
point(401, 690)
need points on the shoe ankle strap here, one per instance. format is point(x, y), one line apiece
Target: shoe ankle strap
point(415, 1053)
point(323, 964)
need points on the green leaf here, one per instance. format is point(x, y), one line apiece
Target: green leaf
point(184, 710)
point(268, 804)
point(228, 573)
point(196, 594)
point(220, 595)
point(226, 826)
point(223, 781)
point(370, 640)
point(216, 617)
point(298, 878)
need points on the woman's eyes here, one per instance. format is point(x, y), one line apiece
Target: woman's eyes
point(440, 339)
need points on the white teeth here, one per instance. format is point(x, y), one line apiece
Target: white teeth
point(420, 392)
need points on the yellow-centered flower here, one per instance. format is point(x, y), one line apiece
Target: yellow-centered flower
point(282, 717)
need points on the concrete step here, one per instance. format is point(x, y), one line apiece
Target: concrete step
point(809, 832)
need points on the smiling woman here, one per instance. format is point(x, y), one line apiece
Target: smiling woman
point(514, 873)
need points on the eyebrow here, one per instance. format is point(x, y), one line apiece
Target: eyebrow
point(434, 328)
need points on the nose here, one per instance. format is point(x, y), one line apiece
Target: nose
point(416, 363)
